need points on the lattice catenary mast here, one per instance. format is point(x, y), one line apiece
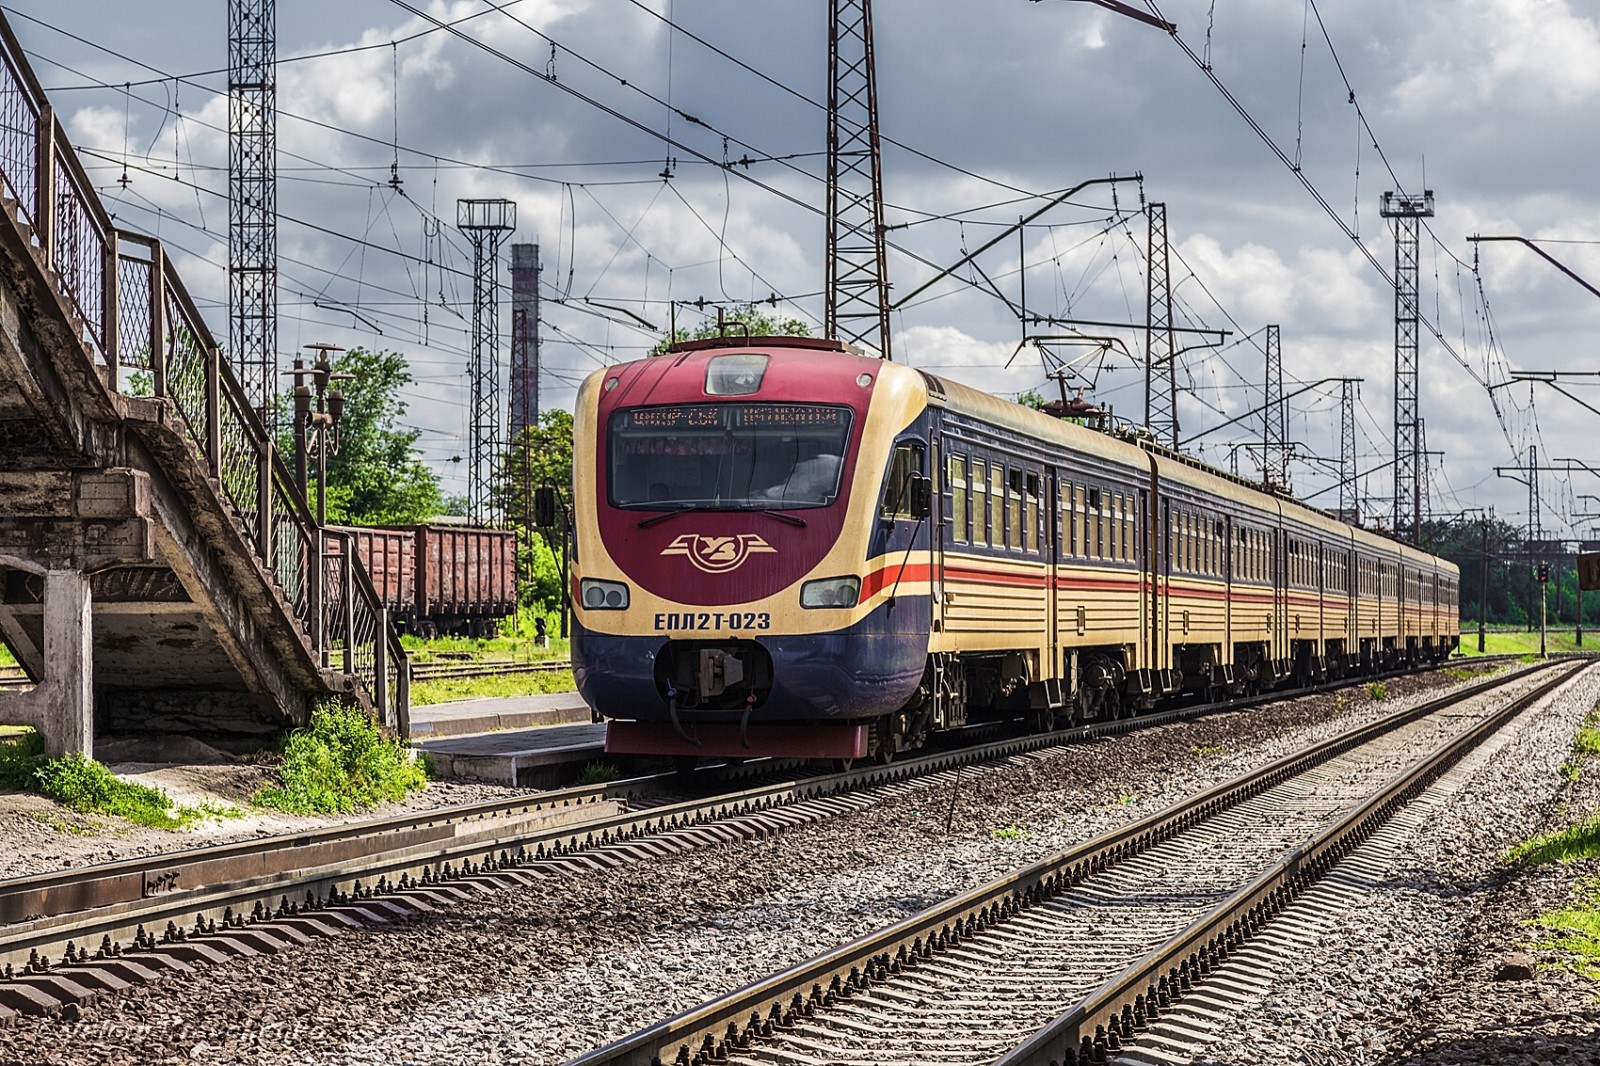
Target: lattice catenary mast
point(1406, 212)
point(857, 287)
point(486, 223)
point(1349, 496)
point(1274, 417)
point(253, 200)
point(1160, 363)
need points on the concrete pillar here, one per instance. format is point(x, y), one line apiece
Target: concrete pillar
point(66, 693)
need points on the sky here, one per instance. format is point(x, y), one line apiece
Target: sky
point(988, 110)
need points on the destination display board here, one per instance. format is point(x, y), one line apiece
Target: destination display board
point(689, 417)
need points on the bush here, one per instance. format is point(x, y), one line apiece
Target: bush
point(1377, 691)
point(20, 757)
point(341, 762)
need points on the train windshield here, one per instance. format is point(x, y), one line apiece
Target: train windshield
point(727, 456)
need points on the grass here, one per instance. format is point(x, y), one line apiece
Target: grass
point(1010, 832)
point(1574, 930)
point(338, 763)
point(6, 658)
point(1377, 691)
point(1521, 642)
point(1208, 749)
point(444, 690)
point(1581, 841)
point(86, 786)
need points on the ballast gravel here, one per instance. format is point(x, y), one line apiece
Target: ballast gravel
point(541, 974)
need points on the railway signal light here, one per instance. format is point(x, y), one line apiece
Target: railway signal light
point(1544, 572)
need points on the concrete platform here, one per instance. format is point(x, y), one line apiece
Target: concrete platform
point(501, 712)
point(526, 740)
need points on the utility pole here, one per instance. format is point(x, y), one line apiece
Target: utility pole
point(1483, 579)
point(1160, 348)
point(857, 287)
point(485, 222)
point(253, 202)
point(1407, 211)
point(1275, 423)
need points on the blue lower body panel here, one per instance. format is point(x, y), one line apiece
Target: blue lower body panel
point(869, 669)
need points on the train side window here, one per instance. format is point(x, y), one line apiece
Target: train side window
point(1031, 500)
point(1064, 492)
point(1079, 521)
point(956, 477)
point(997, 506)
point(1014, 509)
point(980, 502)
point(1127, 529)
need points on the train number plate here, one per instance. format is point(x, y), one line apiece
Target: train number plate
point(712, 621)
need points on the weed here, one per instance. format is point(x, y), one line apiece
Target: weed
point(1587, 742)
point(1010, 832)
point(1127, 799)
point(598, 773)
point(338, 763)
point(1209, 749)
point(1575, 930)
point(88, 787)
point(1580, 841)
point(20, 757)
point(1569, 771)
point(1341, 703)
point(1377, 691)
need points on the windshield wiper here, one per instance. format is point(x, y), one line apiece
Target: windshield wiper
point(793, 520)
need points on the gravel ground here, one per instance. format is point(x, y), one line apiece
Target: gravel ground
point(537, 975)
point(1407, 975)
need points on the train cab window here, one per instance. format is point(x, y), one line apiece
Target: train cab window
point(905, 463)
point(956, 478)
point(997, 506)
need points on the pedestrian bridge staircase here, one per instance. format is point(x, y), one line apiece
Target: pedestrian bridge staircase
point(159, 570)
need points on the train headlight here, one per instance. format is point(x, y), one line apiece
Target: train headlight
point(603, 595)
point(830, 592)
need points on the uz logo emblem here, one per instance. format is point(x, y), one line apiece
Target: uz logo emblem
point(717, 555)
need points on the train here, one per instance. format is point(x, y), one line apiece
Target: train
point(439, 578)
point(787, 548)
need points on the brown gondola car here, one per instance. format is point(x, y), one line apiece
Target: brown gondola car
point(440, 578)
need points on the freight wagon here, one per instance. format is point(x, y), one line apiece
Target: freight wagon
point(437, 578)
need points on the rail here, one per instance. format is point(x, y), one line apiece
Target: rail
point(136, 315)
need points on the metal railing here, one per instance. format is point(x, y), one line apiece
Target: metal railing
point(135, 314)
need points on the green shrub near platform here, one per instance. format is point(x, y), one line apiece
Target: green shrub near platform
point(341, 762)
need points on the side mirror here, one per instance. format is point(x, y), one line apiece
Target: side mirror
point(546, 505)
point(921, 496)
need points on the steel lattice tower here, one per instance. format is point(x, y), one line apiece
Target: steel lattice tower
point(486, 223)
point(857, 287)
point(1535, 520)
point(253, 200)
point(524, 339)
point(1160, 362)
point(1275, 422)
point(1406, 212)
point(1349, 497)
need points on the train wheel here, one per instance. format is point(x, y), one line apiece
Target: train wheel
point(685, 764)
point(843, 765)
point(1044, 720)
point(884, 755)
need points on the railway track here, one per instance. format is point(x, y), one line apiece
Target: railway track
point(12, 678)
point(449, 671)
point(66, 936)
point(1065, 961)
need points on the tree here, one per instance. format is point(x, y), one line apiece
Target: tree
point(375, 477)
point(760, 324)
point(542, 457)
point(1033, 399)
